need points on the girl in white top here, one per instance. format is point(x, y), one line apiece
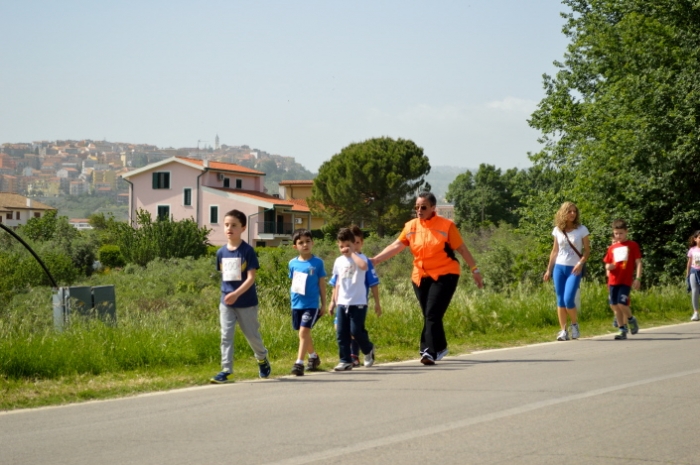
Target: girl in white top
point(692, 272)
point(569, 253)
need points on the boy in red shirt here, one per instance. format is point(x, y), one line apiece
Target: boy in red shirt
point(622, 262)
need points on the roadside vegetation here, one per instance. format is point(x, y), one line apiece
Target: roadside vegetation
point(167, 331)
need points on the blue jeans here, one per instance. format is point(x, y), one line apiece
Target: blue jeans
point(351, 322)
point(565, 285)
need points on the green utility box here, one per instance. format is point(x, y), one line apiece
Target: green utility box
point(85, 301)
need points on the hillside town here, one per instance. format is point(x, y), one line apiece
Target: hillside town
point(80, 167)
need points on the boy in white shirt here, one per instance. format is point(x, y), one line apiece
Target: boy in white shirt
point(351, 301)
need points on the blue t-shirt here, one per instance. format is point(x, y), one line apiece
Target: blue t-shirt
point(371, 278)
point(234, 266)
point(314, 271)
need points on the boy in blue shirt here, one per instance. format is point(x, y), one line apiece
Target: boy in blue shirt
point(238, 264)
point(306, 272)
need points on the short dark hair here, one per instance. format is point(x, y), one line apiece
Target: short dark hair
point(345, 235)
point(299, 233)
point(357, 232)
point(239, 215)
point(619, 224)
point(429, 197)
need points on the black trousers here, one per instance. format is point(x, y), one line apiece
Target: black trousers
point(434, 297)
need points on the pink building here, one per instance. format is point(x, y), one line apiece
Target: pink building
point(204, 191)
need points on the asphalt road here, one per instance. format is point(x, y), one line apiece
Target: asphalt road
point(592, 401)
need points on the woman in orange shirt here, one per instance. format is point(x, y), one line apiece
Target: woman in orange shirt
point(433, 241)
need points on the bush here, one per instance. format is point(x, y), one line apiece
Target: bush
point(110, 256)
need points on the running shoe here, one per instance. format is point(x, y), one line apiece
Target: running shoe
point(575, 333)
point(621, 335)
point(369, 358)
point(342, 366)
point(355, 360)
point(221, 378)
point(298, 369)
point(563, 335)
point(634, 326)
point(313, 363)
point(441, 355)
point(427, 359)
point(264, 368)
point(695, 317)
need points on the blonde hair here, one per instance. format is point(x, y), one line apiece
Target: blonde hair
point(560, 216)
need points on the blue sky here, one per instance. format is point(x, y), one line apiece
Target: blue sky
point(295, 78)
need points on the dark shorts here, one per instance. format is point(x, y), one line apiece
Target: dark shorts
point(305, 317)
point(619, 295)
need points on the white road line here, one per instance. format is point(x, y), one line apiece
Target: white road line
point(410, 435)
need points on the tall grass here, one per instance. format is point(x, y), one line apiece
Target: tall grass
point(167, 319)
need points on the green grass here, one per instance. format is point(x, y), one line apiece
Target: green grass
point(168, 332)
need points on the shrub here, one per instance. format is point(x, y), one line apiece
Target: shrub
point(110, 256)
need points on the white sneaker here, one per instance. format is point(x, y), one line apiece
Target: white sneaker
point(369, 358)
point(563, 335)
point(575, 333)
point(441, 355)
point(695, 317)
point(342, 366)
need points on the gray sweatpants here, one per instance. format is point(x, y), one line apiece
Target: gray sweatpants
point(247, 318)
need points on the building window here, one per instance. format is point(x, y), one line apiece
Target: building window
point(239, 184)
point(163, 212)
point(227, 182)
point(37, 215)
point(187, 197)
point(17, 217)
point(161, 180)
point(213, 214)
point(9, 216)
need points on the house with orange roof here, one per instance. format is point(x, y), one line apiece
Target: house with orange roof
point(298, 191)
point(183, 187)
point(16, 209)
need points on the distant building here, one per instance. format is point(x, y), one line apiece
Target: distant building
point(182, 188)
point(16, 209)
point(446, 211)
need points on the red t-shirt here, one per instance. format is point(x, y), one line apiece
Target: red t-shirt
point(624, 255)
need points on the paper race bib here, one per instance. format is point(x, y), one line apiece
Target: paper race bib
point(231, 269)
point(621, 254)
point(299, 282)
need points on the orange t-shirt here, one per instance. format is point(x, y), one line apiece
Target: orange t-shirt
point(432, 244)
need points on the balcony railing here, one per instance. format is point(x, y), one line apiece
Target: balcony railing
point(274, 227)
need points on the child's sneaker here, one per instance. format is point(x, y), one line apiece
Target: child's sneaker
point(298, 369)
point(221, 378)
point(313, 363)
point(634, 326)
point(563, 335)
point(355, 360)
point(369, 358)
point(695, 317)
point(575, 333)
point(342, 366)
point(264, 368)
point(621, 335)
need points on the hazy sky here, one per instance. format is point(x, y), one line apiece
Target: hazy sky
point(295, 78)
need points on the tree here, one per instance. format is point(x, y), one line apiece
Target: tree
point(620, 123)
point(374, 183)
point(486, 197)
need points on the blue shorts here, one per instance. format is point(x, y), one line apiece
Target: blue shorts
point(619, 295)
point(305, 317)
